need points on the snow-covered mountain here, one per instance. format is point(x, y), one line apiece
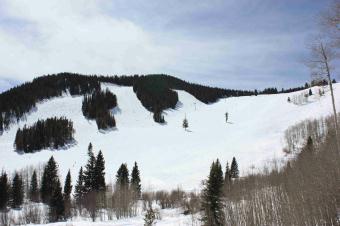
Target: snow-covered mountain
point(169, 156)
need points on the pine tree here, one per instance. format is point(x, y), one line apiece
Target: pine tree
point(34, 191)
point(49, 180)
point(185, 123)
point(67, 194)
point(227, 175)
point(310, 93)
point(79, 190)
point(17, 191)
point(57, 208)
point(123, 177)
point(89, 173)
point(212, 194)
point(135, 182)
point(99, 177)
point(234, 169)
point(4, 191)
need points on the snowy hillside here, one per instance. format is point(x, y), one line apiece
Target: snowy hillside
point(169, 156)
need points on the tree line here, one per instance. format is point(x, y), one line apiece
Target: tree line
point(154, 91)
point(91, 192)
point(97, 106)
point(50, 133)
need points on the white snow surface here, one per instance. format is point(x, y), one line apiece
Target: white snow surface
point(167, 155)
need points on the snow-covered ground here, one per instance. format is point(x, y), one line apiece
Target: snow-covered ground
point(169, 156)
point(164, 217)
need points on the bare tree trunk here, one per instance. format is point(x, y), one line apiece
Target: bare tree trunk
point(332, 94)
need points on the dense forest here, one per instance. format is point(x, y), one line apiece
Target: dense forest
point(50, 133)
point(97, 106)
point(154, 91)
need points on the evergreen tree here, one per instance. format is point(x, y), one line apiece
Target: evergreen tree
point(212, 194)
point(57, 208)
point(34, 191)
point(136, 182)
point(67, 194)
point(49, 180)
point(234, 169)
point(4, 191)
point(79, 190)
point(99, 178)
point(227, 175)
point(185, 123)
point(17, 191)
point(89, 173)
point(122, 177)
point(310, 93)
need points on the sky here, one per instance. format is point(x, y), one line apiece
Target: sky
point(244, 44)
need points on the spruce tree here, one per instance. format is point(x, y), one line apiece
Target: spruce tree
point(79, 190)
point(227, 175)
point(49, 180)
point(99, 177)
point(67, 194)
point(89, 173)
point(4, 191)
point(185, 123)
point(57, 208)
point(234, 169)
point(17, 191)
point(123, 177)
point(33, 190)
point(136, 182)
point(310, 93)
point(212, 197)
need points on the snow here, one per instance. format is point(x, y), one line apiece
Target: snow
point(167, 217)
point(167, 155)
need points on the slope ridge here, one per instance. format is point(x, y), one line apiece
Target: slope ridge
point(167, 155)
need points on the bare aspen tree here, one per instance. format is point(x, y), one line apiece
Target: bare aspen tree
point(321, 56)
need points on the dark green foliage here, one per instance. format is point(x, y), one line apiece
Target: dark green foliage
point(18, 101)
point(158, 117)
point(234, 172)
point(67, 186)
point(67, 194)
point(4, 191)
point(310, 93)
point(269, 91)
point(97, 106)
point(212, 197)
point(149, 217)
point(155, 94)
point(122, 177)
point(185, 123)
point(34, 190)
point(17, 191)
point(49, 180)
point(57, 208)
point(154, 91)
point(99, 175)
point(227, 175)
point(79, 190)
point(136, 182)
point(50, 133)
point(90, 171)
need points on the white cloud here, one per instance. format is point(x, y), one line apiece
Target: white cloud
point(75, 37)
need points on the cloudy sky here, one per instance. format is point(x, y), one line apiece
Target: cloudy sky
point(232, 43)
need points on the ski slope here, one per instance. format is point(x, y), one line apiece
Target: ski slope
point(167, 155)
